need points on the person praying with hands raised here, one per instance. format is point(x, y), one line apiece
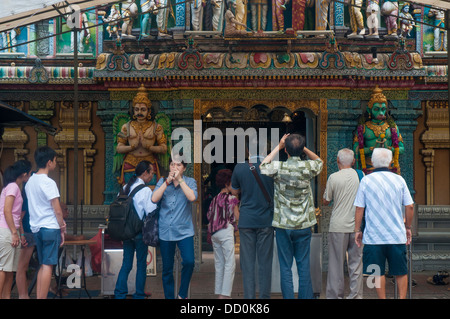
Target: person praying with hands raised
point(176, 227)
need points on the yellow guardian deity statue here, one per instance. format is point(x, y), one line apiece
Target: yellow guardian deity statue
point(141, 138)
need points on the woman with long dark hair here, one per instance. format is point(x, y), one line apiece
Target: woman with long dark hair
point(11, 201)
point(143, 174)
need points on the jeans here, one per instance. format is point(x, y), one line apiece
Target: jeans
point(167, 248)
point(294, 243)
point(256, 244)
point(129, 247)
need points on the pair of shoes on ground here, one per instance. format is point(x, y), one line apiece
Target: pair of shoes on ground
point(440, 279)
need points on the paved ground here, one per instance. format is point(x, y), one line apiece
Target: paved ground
point(202, 285)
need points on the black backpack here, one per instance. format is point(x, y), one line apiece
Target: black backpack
point(124, 222)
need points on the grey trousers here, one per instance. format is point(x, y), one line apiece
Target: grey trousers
point(340, 245)
point(256, 245)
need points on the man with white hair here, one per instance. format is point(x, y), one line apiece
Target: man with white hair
point(380, 198)
point(341, 189)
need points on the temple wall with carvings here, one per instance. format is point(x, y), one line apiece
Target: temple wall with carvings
point(96, 136)
point(431, 154)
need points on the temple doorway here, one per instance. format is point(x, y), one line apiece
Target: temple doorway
point(236, 124)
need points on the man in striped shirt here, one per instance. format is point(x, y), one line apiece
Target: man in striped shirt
point(380, 197)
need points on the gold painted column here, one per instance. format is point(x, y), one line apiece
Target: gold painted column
point(435, 137)
point(88, 157)
point(61, 159)
point(65, 141)
point(428, 159)
point(15, 138)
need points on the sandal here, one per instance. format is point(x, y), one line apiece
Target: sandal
point(437, 280)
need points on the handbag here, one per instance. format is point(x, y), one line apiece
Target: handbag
point(150, 229)
point(261, 185)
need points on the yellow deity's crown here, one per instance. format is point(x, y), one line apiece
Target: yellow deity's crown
point(377, 97)
point(142, 97)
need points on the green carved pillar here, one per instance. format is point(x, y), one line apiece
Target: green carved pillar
point(405, 113)
point(106, 112)
point(44, 111)
point(342, 120)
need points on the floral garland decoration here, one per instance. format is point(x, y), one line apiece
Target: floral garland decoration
point(361, 128)
point(394, 136)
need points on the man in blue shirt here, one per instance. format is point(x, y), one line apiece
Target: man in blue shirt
point(176, 227)
point(255, 228)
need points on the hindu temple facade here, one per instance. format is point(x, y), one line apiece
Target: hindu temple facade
point(200, 77)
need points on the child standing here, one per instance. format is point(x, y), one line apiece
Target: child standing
point(222, 216)
point(10, 211)
point(46, 218)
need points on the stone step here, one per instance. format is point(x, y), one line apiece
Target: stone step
point(433, 235)
point(430, 260)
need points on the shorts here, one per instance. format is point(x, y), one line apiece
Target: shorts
point(47, 245)
point(375, 256)
point(30, 240)
point(9, 255)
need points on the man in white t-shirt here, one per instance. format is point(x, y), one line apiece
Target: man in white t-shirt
point(381, 197)
point(46, 218)
point(341, 189)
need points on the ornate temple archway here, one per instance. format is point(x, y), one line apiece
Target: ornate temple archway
point(238, 111)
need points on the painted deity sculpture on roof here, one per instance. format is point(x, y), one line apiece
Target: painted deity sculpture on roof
point(379, 130)
point(113, 20)
point(406, 20)
point(389, 10)
point(149, 9)
point(233, 27)
point(356, 19)
point(257, 16)
point(129, 13)
point(214, 12)
point(8, 40)
point(439, 32)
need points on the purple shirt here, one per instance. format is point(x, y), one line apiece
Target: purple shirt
point(221, 212)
